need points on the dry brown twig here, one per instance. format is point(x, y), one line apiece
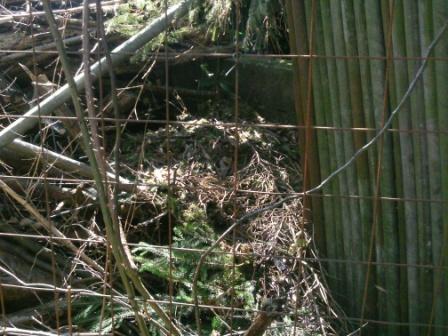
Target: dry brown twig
point(50, 227)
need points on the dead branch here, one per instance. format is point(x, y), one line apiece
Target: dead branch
point(22, 185)
point(13, 57)
point(118, 55)
point(11, 18)
point(50, 227)
point(43, 87)
point(69, 165)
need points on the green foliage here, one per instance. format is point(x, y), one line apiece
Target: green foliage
point(261, 28)
point(265, 25)
point(214, 15)
point(134, 15)
point(219, 282)
point(116, 318)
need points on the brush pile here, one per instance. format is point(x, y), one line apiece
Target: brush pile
point(174, 187)
point(268, 253)
point(262, 266)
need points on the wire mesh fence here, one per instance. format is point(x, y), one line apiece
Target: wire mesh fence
point(223, 167)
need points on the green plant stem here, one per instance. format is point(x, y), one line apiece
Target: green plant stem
point(337, 148)
point(407, 166)
point(358, 120)
point(411, 16)
point(352, 247)
point(386, 233)
point(440, 241)
point(322, 104)
point(431, 124)
point(99, 157)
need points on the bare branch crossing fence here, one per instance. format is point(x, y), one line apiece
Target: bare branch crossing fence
point(224, 167)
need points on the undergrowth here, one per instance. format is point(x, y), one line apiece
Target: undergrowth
point(261, 27)
point(259, 263)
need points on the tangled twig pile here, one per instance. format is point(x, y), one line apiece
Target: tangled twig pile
point(196, 178)
point(274, 246)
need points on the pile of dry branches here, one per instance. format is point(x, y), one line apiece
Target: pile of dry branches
point(231, 170)
point(76, 195)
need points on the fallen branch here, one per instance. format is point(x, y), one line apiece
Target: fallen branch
point(66, 164)
point(119, 54)
point(22, 186)
point(10, 18)
point(43, 87)
point(33, 332)
point(19, 149)
point(13, 57)
point(50, 227)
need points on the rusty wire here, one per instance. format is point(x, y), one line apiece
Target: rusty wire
point(242, 125)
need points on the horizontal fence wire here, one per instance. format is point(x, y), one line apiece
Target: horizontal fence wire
point(175, 55)
point(243, 255)
point(68, 181)
point(230, 125)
